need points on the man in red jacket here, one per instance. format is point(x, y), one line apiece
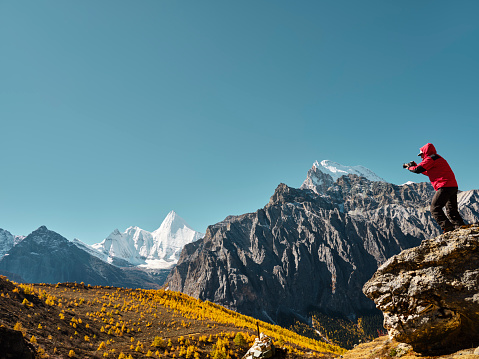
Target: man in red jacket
point(444, 182)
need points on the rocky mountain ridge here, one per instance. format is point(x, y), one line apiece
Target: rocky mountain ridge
point(323, 174)
point(311, 248)
point(148, 256)
point(45, 256)
point(8, 241)
point(159, 249)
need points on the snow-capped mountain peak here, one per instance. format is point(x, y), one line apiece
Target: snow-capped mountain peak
point(337, 170)
point(115, 233)
point(172, 223)
point(158, 249)
point(173, 234)
point(323, 175)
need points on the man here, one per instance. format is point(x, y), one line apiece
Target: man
point(444, 182)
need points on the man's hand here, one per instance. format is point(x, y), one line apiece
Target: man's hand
point(407, 165)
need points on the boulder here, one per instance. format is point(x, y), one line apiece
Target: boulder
point(262, 348)
point(429, 294)
point(14, 346)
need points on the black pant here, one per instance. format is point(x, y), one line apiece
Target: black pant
point(446, 197)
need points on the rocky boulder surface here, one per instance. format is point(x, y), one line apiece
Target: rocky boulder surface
point(429, 295)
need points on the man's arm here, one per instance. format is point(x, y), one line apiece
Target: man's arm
point(417, 169)
point(422, 167)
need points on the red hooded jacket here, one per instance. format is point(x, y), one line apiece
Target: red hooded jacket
point(435, 167)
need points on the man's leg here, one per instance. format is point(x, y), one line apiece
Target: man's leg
point(452, 211)
point(438, 202)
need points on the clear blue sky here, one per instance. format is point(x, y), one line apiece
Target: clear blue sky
point(113, 113)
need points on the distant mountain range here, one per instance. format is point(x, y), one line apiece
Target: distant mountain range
point(135, 258)
point(159, 249)
point(310, 249)
point(45, 256)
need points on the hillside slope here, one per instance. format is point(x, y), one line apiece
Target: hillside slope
point(74, 320)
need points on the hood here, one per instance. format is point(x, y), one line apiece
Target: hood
point(427, 150)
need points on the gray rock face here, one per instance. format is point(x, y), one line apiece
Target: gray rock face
point(45, 256)
point(430, 294)
point(7, 241)
point(307, 249)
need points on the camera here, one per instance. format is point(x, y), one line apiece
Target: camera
point(409, 164)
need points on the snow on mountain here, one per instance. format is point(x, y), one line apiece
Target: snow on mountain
point(8, 241)
point(159, 249)
point(45, 256)
point(323, 174)
point(337, 170)
point(101, 255)
point(131, 245)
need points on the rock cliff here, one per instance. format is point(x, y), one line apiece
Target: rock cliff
point(429, 295)
point(8, 241)
point(308, 249)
